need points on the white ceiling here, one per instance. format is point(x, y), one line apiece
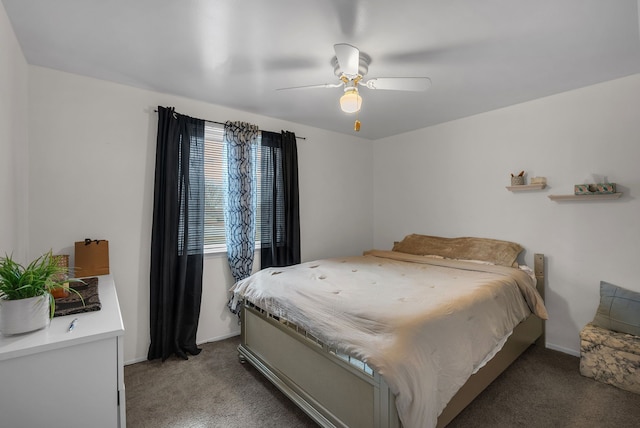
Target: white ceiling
point(479, 54)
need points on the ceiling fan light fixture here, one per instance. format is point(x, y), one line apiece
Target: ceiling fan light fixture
point(351, 101)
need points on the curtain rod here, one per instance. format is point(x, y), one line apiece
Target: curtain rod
point(220, 123)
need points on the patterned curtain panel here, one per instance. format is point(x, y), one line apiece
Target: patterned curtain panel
point(241, 145)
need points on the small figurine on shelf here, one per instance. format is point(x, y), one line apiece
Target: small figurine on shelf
point(517, 180)
point(539, 180)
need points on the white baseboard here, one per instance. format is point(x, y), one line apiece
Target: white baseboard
point(213, 339)
point(135, 360)
point(563, 349)
point(218, 338)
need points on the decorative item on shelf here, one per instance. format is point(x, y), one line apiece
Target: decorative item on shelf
point(517, 180)
point(605, 188)
point(584, 189)
point(539, 180)
point(594, 189)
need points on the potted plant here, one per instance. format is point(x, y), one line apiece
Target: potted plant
point(26, 303)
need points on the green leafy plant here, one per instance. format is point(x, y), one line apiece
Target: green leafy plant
point(41, 276)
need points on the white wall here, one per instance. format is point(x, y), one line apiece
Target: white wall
point(450, 180)
point(77, 155)
point(13, 143)
point(92, 155)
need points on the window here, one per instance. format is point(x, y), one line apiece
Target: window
point(215, 170)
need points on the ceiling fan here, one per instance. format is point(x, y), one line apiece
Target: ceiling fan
point(350, 66)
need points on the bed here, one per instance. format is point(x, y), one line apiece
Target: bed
point(406, 337)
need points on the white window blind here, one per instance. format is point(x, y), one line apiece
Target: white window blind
point(215, 170)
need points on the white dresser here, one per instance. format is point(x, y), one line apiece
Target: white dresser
point(59, 378)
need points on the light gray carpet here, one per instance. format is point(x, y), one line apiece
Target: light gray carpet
point(211, 389)
point(543, 388)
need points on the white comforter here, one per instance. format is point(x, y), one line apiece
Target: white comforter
point(424, 324)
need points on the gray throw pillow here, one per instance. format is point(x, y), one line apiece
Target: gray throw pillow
point(619, 309)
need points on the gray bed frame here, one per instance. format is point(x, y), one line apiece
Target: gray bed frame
point(336, 391)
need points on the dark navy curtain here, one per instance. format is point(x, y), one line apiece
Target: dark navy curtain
point(177, 237)
point(280, 211)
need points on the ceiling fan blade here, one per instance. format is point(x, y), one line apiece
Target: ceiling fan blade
point(323, 85)
point(399, 83)
point(348, 13)
point(348, 59)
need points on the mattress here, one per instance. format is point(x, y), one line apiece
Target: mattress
point(424, 324)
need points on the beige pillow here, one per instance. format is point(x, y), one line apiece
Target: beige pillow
point(502, 253)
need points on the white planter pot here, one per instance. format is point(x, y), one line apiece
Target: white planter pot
point(24, 315)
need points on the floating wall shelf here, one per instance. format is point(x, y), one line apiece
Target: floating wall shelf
point(597, 197)
point(525, 187)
